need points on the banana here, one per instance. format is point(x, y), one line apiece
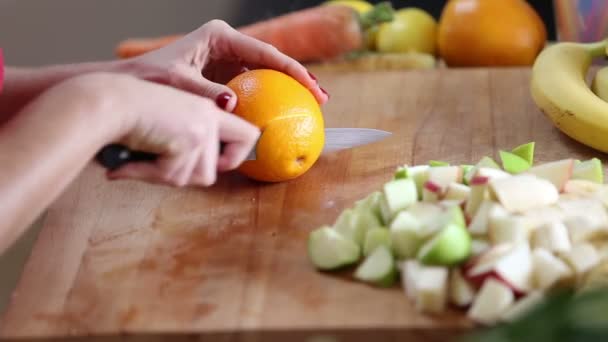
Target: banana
point(599, 86)
point(559, 89)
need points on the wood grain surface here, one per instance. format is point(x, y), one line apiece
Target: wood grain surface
point(127, 257)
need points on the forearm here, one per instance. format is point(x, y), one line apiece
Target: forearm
point(44, 147)
point(21, 85)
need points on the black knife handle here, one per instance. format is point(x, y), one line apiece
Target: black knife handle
point(114, 156)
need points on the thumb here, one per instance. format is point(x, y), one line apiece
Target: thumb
point(223, 96)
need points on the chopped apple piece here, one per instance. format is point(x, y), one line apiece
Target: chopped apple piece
point(329, 250)
point(541, 216)
point(479, 246)
point(370, 202)
point(431, 192)
point(410, 271)
point(581, 257)
point(590, 170)
point(587, 207)
point(375, 237)
point(378, 268)
point(525, 151)
point(420, 174)
point(548, 269)
point(425, 212)
point(523, 192)
point(493, 300)
point(398, 195)
point(451, 246)
point(584, 228)
point(507, 228)
point(479, 223)
point(427, 285)
point(479, 186)
point(523, 306)
point(461, 292)
point(406, 235)
point(513, 266)
point(443, 176)
point(557, 172)
point(353, 224)
point(457, 191)
point(552, 237)
point(581, 187)
point(485, 162)
point(513, 163)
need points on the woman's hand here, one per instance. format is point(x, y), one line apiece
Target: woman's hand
point(184, 129)
point(207, 58)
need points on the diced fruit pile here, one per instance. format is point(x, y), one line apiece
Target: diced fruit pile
point(490, 239)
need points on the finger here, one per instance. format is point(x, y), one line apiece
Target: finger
point(184, 174)
point(223, 96)
point(253, 51)
point(224, 72)
point(205, 172)
point(240, 138)
point(146, 172)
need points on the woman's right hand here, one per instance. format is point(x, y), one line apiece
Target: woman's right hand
point(184, 129)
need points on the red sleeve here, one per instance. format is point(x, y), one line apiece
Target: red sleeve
point(1, 70)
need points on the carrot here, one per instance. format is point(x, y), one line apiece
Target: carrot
point(312, 34)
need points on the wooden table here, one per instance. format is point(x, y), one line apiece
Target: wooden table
point(128, 257)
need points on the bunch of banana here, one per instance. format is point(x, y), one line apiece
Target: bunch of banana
point(560, 89)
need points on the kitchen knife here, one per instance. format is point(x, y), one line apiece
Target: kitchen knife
point(115, 155)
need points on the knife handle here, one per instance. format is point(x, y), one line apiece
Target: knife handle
point(114, 156)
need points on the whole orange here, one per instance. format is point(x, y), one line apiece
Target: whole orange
point(291, 121)
point(490, 33)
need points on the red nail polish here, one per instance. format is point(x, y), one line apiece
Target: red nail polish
point(222, 100)
point(325, 92)
point(312, 76)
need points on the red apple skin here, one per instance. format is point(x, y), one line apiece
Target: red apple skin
point(478, 280)
point(479, 180)
point(432, 187)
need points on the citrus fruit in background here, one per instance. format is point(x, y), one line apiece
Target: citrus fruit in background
point(358, 5)
point(490, 33)
point(290, 119)
point(412, 30)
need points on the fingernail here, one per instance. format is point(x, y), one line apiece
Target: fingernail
point(325, 92)
point(312, 76)
point(222, 100)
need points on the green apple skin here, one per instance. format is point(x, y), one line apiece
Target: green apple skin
point(378, 268)
point(466, 169)
point(513, 163)
point(526, 152)
point(437, 163)
point(591, 170)
point(329, 250)
point(450, 247)
point(401, 173)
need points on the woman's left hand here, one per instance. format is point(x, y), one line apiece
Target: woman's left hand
point(206, 59)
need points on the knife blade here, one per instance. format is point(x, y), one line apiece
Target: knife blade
point(114, 156)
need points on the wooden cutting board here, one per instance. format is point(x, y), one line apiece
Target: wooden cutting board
point(116, 257)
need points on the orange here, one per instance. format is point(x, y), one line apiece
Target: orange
point(291, 121)
point(490, 33)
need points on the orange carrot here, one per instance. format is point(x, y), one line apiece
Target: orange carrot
point(312, 34)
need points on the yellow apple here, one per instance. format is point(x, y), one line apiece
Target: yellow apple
point(412, 29)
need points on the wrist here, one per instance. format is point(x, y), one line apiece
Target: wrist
point(95, 99)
